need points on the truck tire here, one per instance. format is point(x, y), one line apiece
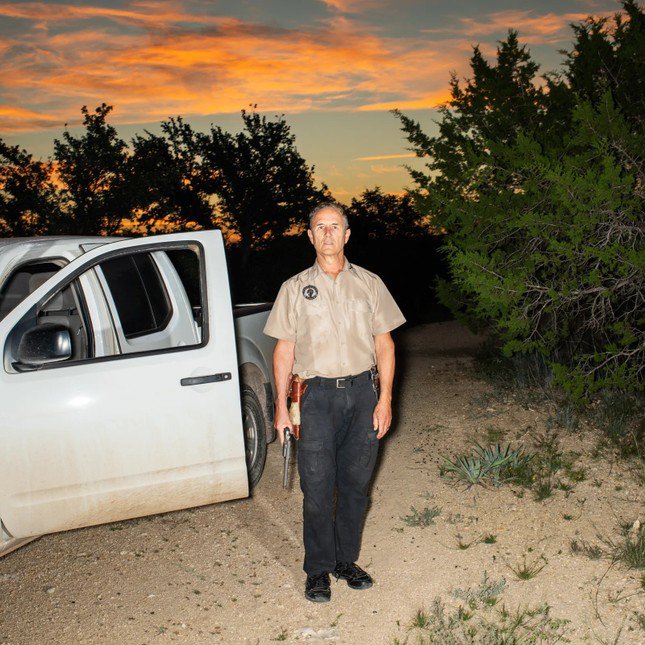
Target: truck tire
point(255, 441)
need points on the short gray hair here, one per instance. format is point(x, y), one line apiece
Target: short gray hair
point(332, 206)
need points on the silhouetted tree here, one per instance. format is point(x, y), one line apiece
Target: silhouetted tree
point(607, 56)
point(376, 214)
point(495, 104)
point(172, 185)
point(94, 173)
point(263, 187)
point(28, 200)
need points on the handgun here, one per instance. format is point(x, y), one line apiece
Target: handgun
point(286, 456)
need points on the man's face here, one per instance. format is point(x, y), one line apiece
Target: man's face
point(328, 233)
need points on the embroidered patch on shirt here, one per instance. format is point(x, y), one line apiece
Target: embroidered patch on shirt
point(310, 292)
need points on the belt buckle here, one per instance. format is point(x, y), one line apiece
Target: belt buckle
point(338, 383)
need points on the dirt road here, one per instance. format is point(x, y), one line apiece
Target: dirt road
point(231, 573)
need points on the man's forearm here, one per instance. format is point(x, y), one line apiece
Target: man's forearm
point(384, 346)
point(283, 357)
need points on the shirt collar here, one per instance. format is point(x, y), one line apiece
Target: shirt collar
point(317, 269)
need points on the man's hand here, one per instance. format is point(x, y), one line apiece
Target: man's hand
point(382, 417)
point(282, 421)
point(384, 346)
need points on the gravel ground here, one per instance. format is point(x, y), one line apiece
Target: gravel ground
point(232, 572)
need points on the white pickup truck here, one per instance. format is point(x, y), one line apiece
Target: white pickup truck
point(129, 385)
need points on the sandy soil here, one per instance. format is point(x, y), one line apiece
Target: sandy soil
point(231, 572)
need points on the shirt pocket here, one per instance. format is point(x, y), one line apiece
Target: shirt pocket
point(359, 315)
point(362, 306)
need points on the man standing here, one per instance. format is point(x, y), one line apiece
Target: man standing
point(333, 324)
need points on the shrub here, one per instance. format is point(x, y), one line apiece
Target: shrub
point(539, 189)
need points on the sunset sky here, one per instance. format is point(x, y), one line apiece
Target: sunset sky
point(334, 67)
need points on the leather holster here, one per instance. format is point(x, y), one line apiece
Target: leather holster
point(297, 389)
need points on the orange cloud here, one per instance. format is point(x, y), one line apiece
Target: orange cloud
point(428, 101)
point(383, 157)
point(352, 6)
point(174, 63)
point(13, 118)
point(546, 28)
point(533, 28)
point(147, 14)
point(380, 169)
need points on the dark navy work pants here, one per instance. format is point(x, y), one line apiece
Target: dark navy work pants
point(336, 452)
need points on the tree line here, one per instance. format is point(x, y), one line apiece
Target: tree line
point(539, 185)
point(252, 184)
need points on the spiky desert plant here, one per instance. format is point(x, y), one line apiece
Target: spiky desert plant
point(488, 465)
point(463, 469)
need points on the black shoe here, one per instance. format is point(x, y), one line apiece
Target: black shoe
point(317, 588)
point(355, 576)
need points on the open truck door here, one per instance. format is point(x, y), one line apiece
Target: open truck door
point(119, 392)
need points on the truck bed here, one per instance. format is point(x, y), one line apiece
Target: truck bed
point(251, 308)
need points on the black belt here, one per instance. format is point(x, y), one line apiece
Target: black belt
point(341, 382)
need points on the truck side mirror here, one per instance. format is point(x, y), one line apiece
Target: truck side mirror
point(43, 344)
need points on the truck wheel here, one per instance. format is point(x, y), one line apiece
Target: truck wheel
point(255, 442)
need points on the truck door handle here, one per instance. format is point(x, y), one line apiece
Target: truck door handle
point(211, 378)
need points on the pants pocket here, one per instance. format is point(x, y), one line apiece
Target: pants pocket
point(310, 461)
point(370, 450)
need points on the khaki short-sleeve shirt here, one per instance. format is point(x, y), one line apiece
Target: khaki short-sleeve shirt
point(333, 321)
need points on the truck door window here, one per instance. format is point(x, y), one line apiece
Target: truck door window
point(155, 301)
point(139, 294)
point(186, 264)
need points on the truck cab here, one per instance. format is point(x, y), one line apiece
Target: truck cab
point(120, 381)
